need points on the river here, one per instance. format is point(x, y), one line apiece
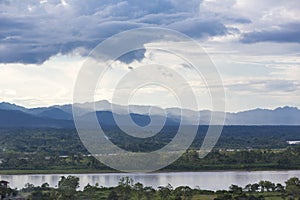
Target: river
point(216, 180)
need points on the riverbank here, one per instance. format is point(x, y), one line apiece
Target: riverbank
point(217, 160)
point(217, 180)
point(163, 186)
point(89, 171)
point(56, 171)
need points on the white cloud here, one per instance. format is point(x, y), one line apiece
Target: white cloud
point(39, 85)
point(254, 44)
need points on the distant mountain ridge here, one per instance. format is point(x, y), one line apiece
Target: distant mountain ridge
point(19, 119)
point(12, 115)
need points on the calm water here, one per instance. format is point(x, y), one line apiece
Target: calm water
point(205, 180)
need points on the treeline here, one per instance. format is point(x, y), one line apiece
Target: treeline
point(67, 141)
point(239, 147)
point(260, 159)
point(216, 160)
point(67, 189)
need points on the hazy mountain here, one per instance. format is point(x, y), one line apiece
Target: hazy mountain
point(9, 106)
point(279, 116)
point(107, 118)
point(56, 113)
point(16, 118)
point(61, 116)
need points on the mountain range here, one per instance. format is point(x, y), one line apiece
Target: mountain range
point(60, 116)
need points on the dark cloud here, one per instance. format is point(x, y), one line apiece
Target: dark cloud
point(285, 33)
point(32, 31)
point(133, 55)
point(8, 23)
point(198, 28)
point(240, 20)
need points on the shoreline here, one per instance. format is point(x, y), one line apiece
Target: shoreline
point(67, 172)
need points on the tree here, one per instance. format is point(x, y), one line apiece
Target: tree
point(235, 189)
point(254, 187)
point(139, 190)
point(124, 187)
point(293, 187)
point(6, 191)
point(90, 190)
point(45, 186)
point(112, 196)
point(192, 155)
point(39, 195)
point(279, 188)
point(248, 188)
point(165, 192)
point(262, 185)
point(149, 193)
point(271, 186)
point(67, 187)
point(184, 191)
point(126, 182)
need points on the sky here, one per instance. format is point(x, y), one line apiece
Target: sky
point(254, 44)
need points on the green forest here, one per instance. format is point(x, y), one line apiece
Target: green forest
point(239, 147)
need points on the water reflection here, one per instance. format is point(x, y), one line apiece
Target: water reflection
point(204, 180)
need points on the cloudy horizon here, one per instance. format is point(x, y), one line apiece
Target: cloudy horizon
point(255, 46)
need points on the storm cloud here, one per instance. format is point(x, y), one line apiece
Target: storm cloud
point(284, 33)
point(33, 31)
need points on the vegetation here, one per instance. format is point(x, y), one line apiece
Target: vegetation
point(258, 159)
point(127, 189)
point(60, 150)
point(66, 141)
point(14, 162)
